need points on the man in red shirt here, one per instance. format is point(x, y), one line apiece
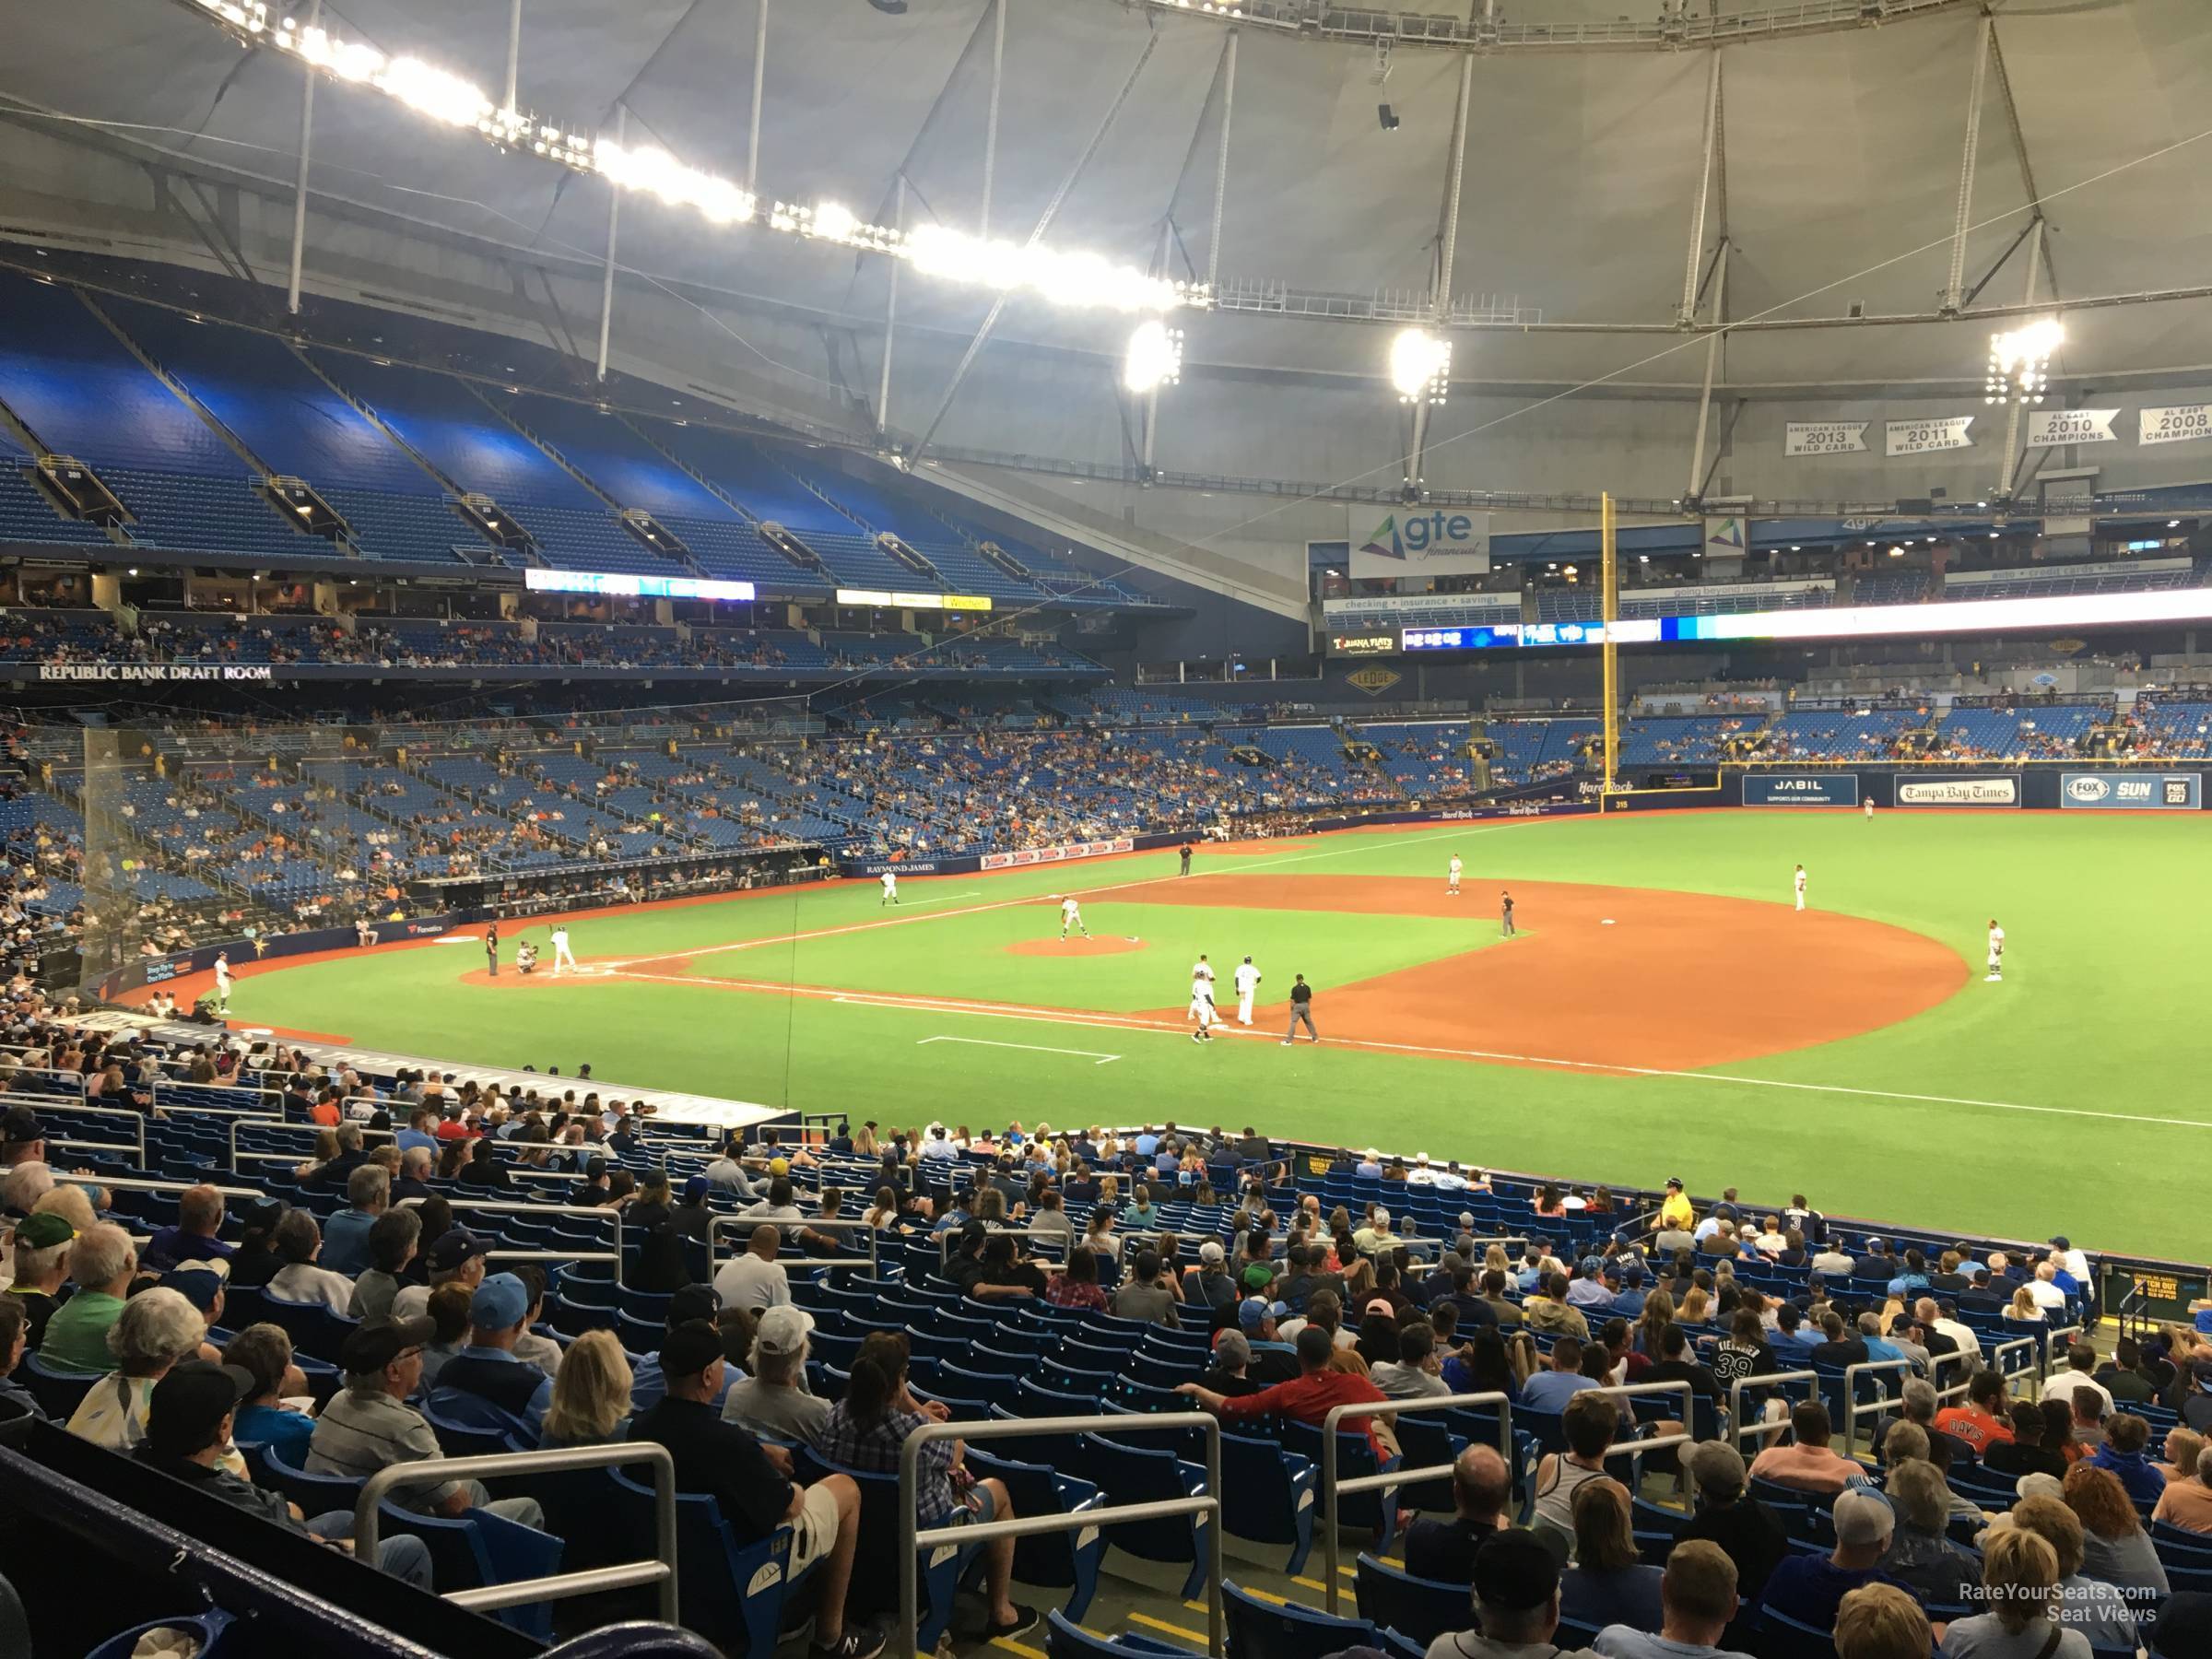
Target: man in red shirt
point(1309, 1397)
point(1985, 1419)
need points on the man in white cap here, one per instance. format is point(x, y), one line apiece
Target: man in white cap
point(1807, 1588)
point(773, 1401)
point(1421, 1174)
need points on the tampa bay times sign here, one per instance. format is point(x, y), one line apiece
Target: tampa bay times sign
point(164, 673)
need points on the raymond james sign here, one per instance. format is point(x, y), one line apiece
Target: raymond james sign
point(156, 671)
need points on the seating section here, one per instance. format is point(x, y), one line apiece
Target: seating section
point(1838, 734)
point(2060, 580)
point(2039, 732)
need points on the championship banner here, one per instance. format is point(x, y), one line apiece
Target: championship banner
point(1408, 544)
point(2132, 791)
point(1959, 792)
point(1801, 789)
point(1045, 855)
point(2176, 423)
point(2049, 427)
point(1918, 437)
point(1824, 438)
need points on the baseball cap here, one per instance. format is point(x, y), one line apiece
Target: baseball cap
point(21, 1126)
point(1258, 1277)
point(779, 1166)
point(500, 1303)
point(689, 1348)
point(1514, 1572)
point(594, 1166)
point(44, 1230)
point(373, 1347)
point(1254, 1310)
point(1211, 1253)
point(1674, 1183)
point(1863, 1517)
point(2062, 1242)
point(1381, 1304)
point(190, 1401)
point(692, 1301)
point(196, 1285)
point(1717, 1466)
point(1589, 1266)
point(453, 1249)
point(783, 1330)
point(696, 1188)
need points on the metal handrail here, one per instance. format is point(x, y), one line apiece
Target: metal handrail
point(1737, 1429)
point(873, 1260)
point(911, 1539)
point(161, 1084)
point(2070, 1333)
point(138, 1122)
point(292, 1129)
point(1853, 1411)
point(147, 1183)
point(113, 1148)
point(1997, 1353)
point(548, 1209)
point(1331, 1487)
point(661, 1570)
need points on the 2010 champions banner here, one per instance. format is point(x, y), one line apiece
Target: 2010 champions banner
point(1801, 789)
point(1959, 791)
point(2132, 791)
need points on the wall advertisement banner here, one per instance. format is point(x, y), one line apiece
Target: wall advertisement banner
point(1045, 855)
point(1801, 789)
point(2132, 791)
point(1959, 791)
point(1412, 544)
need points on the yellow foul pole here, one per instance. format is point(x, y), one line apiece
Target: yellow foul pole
point(1609, 608)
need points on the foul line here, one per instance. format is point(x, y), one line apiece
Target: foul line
point(1117, 1022)
point(940, 899)
point(1091, 1055)
point(977, 909)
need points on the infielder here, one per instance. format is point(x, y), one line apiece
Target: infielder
point(1202, 999)
point(1996, 953)
point(562, 953)
point(223, 980)
point(890, 890)
point(1505, 914)
point(1451, 877)
point(1071, 916)
point(1247, 981)
point(1799, 881)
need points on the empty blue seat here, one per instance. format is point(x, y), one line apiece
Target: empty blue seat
point(1059, 1560)
point(731, 1592)
point(1421, 1608)
point(1259, 1629)
point(1137, 1475)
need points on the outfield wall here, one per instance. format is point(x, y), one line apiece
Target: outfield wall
point(2050, 785)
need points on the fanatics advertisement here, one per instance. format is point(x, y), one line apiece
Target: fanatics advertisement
point(1801, 789)
point(2132, 791)
point(1959, 792)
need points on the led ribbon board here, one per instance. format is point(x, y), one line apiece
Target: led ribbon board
point(621, 584)
point(881, 600)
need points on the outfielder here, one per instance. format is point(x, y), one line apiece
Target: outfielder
point(1505, 914)
point(1868, 804)
point(223, 980)
point(1800, 885)
point(1996, 952)
point(562, 953)
point(890, 890)
point(1202, 999)
point(1451, 877)
point(1247, 981)
point(1071, 916)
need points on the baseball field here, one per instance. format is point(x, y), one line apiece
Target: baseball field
point(1663, 1009)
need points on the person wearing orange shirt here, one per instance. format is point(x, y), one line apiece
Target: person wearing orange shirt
point(1985, 1421)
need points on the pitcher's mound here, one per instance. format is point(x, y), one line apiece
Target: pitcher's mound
point(1097, 945)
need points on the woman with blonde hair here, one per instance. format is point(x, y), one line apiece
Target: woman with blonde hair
point(591, 1393)
point(1650, 1324)
point(2114, 1548)
point(2184, 1448)
point(1359, 1283)
point(1697, 1307)
point(326, 1148)
point(1609, 1584)
point(1109, 1191)
point(864, 1142)
point(1495, 1259)
point(2019, 1584)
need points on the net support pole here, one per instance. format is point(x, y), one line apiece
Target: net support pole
point(307, 130)
point(1608, 653)
point(614, 218)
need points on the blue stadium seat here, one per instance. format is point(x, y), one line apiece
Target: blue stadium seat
point(1066, 1640)
point(1421, 1608)
point(1267, 1496)
point(732, 1593)
point(1054, 1561)
point(1260, 1630)
point(1128, 1474)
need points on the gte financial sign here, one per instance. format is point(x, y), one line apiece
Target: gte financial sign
point(1436, 542)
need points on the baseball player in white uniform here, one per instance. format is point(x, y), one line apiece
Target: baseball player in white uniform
point(1071, 916)
point(222, 983)
point(1996, 952)
point(1868, 804)
point(562, 955)
point(1799, 882)
point(890, 890)
point(1247, 981)
point(1451, 877)
point(1202, 1000)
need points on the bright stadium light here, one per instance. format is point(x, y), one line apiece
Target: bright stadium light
point(2019, 362)
point(1420, 365)
point(1155, 357)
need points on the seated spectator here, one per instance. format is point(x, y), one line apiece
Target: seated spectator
point(1415, 1372)
point(506, 1392)
point(1806, 1588)
point(1444, 1550)
point(1920, 1553)
point(2183, 1446)
point(1545, 1309)
point(392, 1240)
point(591, 1393)
point(1879, 1621)
point(1308, 1398)
point(1516, 1586)
point(1909, 1442)
point(1984, 1420)
point(192, 1413)
point(41, 1268)
point(1744, 1352)
point(2116, 1548)
point(1230, 1373)
point(1551, 1389)
point(2025, 1453)
point(1697, 1597)
point(1209, 1282)
point(102, 1262)
point(2080, 1373)
point(1077, 1284)
point(1590, 1422)
point(346, 1235)
point(773, 1401)
point(299, 1241)
point(865, 1432)
point(1808, 1463)
point(15, 1329)
point(692, 1302)
point(1607, 1584)
point(155, 1330)
point(368, 1425)
point(1747, 1530)
point(448, 1314)
point(1672, 1364)
point(1145, 1296)
point(754, 1278)
point(265, 1353)
point(2122, 1453)
point(2019, 1581)
point(457, 1258)
point(195, 1236)
point(2095, 1608)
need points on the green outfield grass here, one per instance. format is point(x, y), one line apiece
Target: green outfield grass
point(2068, 1098)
